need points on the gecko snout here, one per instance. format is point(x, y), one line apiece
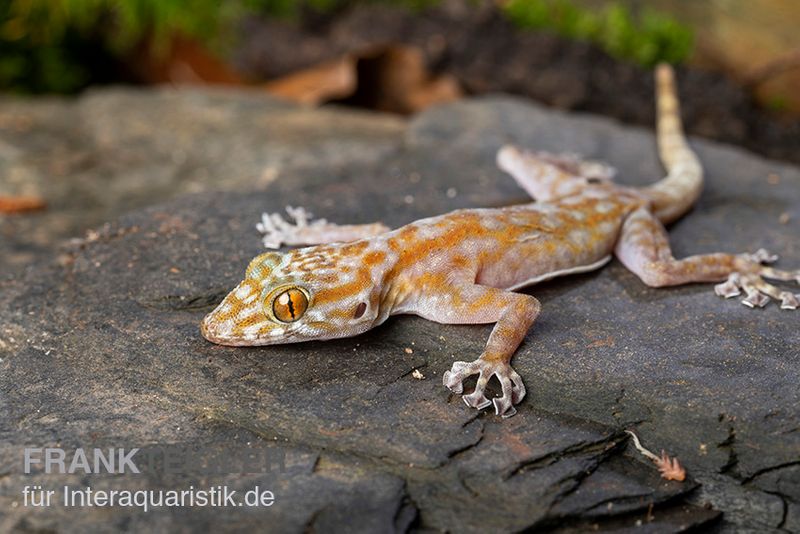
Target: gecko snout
point(208, 329)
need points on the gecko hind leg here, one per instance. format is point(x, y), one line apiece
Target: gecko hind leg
point(278, 231)
point(579, 166)
point(644, 248)
point(546, 176)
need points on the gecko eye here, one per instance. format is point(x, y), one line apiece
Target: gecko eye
point(289, 305)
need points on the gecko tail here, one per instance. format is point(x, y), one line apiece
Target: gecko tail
point(675, 194)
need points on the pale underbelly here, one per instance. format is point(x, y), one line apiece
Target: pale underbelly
point(531, 264)
point(562, 272)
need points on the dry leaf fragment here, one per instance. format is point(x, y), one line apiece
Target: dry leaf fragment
point(669, 468)
point(21, 204)
point(393, 78)
point(318, 84)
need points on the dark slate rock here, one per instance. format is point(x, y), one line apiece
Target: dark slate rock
point(100, 346)
point(116, 150)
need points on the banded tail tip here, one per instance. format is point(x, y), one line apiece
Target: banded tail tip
point(664, 73)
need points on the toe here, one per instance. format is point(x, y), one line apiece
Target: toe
point(518, 389)
point(477, 400)
point(509, 413)
point(727, 290)
point(763, 256)
point(755, 300)
point(452, 381)
point(502, 406)
point(789, 301)
point(458, 367)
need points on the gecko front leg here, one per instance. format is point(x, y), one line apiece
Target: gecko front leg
point(278, 231)
point(513, 313)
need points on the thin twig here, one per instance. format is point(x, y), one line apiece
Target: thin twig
point(669, 468)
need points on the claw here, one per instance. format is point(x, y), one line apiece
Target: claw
point(509, 413)
point(755, 299)
point(477, 400)
point(502, 405)
point(452, 382)
point(517, 394)
point(729, 288)
point(762, 256)
point(789, 301)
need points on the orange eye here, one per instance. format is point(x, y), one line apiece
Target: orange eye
point(290, 305)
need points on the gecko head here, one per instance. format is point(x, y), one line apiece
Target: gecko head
point(301, 295)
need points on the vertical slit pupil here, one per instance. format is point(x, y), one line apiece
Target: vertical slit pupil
point(290, 305)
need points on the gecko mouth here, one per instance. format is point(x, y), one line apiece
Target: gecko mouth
point(211, 331)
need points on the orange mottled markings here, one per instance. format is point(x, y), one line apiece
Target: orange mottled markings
point(234, 307)
point(404, 236)
point(374, 258)
point(488, 299)
point(354, 249)
point(338, 293)
point(240, 325)
point(459, 262)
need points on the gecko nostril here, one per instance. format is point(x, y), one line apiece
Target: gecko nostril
point(207, 328)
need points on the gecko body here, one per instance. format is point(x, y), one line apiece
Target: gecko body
point(463, 267)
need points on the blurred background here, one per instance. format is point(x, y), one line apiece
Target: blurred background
point(91, 126)
point(741, 58)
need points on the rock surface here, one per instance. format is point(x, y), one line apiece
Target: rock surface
point(116, 150)
point(100, 344)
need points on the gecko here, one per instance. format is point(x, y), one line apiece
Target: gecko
point(466, 267)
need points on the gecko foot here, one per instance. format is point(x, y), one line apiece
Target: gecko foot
point(278, 231)
point(510, 156)
point(511, 382)
point(750, 279)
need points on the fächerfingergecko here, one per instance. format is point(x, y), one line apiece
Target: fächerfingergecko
point(465, 266)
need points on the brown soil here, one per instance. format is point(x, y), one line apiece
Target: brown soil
point(486, 54)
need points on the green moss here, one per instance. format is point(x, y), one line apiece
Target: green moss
point(44, 43)
point(54, 36)
point(648, 38)
point(778, 103)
